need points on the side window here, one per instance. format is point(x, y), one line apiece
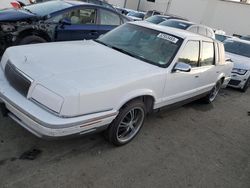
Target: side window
point(190, 54)
point(207, 54)
point(193, 29)
point(109, 18)
point(202, 31)
point(78, 16)
point(83, 16)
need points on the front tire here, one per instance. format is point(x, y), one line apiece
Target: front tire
point(213, 93)
point(127, 124)
point(33, 39)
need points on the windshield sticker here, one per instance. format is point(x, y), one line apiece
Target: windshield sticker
point(168, 37)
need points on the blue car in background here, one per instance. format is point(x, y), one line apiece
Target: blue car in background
point(56, 21)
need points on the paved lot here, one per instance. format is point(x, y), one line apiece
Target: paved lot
point(193, 146)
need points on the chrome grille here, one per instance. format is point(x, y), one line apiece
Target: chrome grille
point(17, 79)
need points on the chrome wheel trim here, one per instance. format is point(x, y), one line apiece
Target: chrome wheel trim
point(215, 92)
point(130, 124)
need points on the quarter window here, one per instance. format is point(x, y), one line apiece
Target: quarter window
point(190, 54)
point(109, 18)
point(207, 54)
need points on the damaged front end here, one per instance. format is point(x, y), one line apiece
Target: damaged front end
point(7, 36)
point(12, 32)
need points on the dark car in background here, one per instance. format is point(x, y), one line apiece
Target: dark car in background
point(56, 21)
point(157, 19)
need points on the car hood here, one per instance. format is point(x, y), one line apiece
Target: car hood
point(240, 62)
point(15, 15)
point(82, 65)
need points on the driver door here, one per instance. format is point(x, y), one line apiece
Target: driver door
point(183, 85)
point(78, 24)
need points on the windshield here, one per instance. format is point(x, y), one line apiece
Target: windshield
point(136, 14)
point(156, 19)
point(142, 43)
point(43, 9)
point(175, 24)
point(237, 47)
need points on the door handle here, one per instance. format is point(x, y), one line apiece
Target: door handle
point(196, 76)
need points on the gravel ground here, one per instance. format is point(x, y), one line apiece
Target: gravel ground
point(193, 146)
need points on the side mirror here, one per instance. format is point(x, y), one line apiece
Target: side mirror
point(65, 21)
point(183, 67)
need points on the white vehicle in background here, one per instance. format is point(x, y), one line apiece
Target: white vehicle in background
point(239, 52)
point(14, 3)
point(136, 15)
point(190, 26)
point(78, 87)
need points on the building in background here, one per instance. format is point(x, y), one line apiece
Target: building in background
point(228, 15)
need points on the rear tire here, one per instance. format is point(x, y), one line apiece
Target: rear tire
point(31, 40)
point(213, 93)
point(127, 124)
point(244, 89)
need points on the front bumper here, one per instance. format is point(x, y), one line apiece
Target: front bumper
point(238, 81)
point(45, 124)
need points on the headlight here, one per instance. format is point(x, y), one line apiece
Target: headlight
point(7, 28)
point(239, 71)
point(47, 98)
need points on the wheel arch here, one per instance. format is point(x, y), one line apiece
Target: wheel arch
point(148, 97)
point(29, 32)
point(221, 77)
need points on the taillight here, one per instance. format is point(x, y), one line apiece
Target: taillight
point(15, 5)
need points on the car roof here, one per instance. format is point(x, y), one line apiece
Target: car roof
point(174, 31)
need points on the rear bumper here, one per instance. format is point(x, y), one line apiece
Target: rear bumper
point(45, 124)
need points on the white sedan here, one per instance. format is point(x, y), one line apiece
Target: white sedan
point(238, 51)
point(74, 88)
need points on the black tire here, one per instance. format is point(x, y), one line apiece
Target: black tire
point(213, 93)
point(244, 89)
point(33, 39)
point(114, 132)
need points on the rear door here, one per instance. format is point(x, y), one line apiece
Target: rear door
point(81, 25)
point(207, 66)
